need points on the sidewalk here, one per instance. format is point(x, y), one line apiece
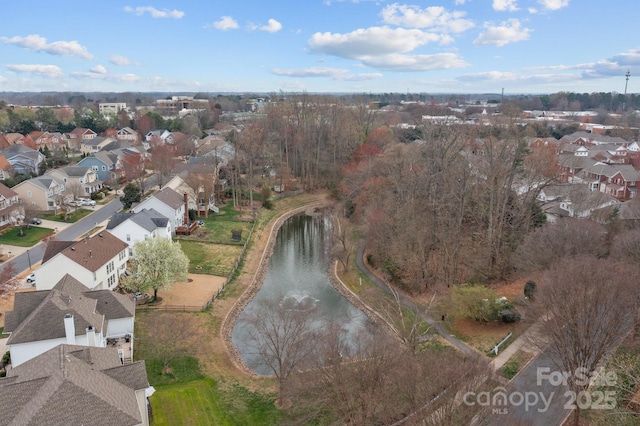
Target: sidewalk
point(522, 342)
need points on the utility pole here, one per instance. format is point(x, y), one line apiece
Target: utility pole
point(626, 83)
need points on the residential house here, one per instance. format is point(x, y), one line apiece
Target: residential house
point(69, 313)
point(76, 136)
point(134, 227)
point(78, 181)
point(53, 141)
point(97, 262)
point(573, 200)
point(9, 203)
point(103, 163)
point(168, 203)
point(91, 146)
point(6, 169)
point(204, 176)
point(157, 137)
point(23, 160)
point(622, 182)
point(128, 134)
point(42, 193)
point(76, 385)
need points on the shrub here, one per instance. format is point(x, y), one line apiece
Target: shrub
point(530, 289)
point(510, 315)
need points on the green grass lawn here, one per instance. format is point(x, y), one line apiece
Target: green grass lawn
point(185, 397)
point(203, 402)
point(72, 217)
point(209, 258)
point(32, 236)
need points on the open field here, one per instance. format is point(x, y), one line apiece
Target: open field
point(210, 258)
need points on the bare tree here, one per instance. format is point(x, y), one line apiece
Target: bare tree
point(586, 312)
point(166, 336)
point(282, 338)
point(8, 281)
point(552, 243)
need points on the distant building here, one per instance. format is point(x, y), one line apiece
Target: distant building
point(114, 108)
point(178, 103)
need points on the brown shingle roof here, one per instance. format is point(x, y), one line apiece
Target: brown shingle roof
point(72, 385)
point(39, 315)
point(91, 253)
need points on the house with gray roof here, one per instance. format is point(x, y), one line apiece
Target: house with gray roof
point(97, 262)
point(69, 313)
point(78, 181)
point(103, 163)
point(43, 193)
point(76, 385)
point(168, 203)
point(9, 203)
point(90, 146)
point(141, 226)
point(23, 160)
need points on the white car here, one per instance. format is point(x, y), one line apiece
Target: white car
point(31, 279)
point(87, 202)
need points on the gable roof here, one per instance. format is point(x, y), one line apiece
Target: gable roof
point(72, 384)
point(7, 192)
point(91, 253)
point(39, 315)
point(169, 197)
point(149, 219)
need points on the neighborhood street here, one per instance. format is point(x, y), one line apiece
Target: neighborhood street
point(32, 256)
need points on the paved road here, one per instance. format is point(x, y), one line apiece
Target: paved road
point(34, 255)
point(534, 397)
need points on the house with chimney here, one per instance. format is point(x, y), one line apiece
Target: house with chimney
point(97, 262)
point(72, 314)
point(141, 226)
point(168, 203)
point(76, 385)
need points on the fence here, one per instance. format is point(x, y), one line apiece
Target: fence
point(213, 297)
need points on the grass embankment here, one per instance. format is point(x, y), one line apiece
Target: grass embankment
point(205, 388)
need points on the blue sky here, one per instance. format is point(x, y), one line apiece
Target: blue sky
point(372, 46)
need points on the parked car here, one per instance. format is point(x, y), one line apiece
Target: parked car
point(31, 279)
point(36, 221)
point(74, 203)
point(87, 202)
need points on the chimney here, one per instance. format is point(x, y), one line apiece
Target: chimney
point(91, 336)
point(69, 329)
point(186, 209)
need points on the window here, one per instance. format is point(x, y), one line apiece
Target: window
point(104, 168)
point(29, 194)
point(111, 280)
point(128, 237)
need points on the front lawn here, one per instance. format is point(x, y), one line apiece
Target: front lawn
point(71, 217)
point(32, 236)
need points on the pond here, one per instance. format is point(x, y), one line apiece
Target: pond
point(297, 278)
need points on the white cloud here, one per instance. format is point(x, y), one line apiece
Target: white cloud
point(48, 71)
point(372, 41)
point(435, 17)
point(38, 43)
point(155, 13)
point(505, 5)
point(104, 76)
point(398, 62)
point(98, 69)
point(339, 74)
point(272, 26)
point(225, 23)
point(507, 32)
point(3, 79)
point(554, 4)
point(119, 60)
point(459, 2)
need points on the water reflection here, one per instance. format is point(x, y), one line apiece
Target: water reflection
point(297, 278)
